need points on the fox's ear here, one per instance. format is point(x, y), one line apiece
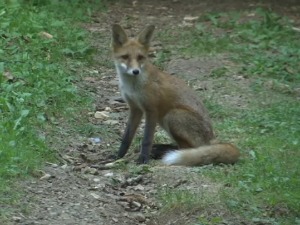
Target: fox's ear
point(119, 37)
point(145, 36)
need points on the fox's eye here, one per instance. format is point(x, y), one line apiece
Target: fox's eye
point(125, 57)
point(140, 57)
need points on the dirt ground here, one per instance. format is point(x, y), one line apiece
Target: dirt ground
point(79, 190)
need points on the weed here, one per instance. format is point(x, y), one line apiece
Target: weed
point(38, 43)
point(162, 58)
point(265, 45)
point(264, 184)
point(180, 199)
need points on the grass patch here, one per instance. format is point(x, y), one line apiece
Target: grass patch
point(41, 47)
point(261, 41)
point(264, 186)
point(269, 172)
point(195, 205)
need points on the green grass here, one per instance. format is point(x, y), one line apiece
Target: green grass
point(268, 176)
point(37, 79)
point(38, 92)
point(266, 45)
point(264, 185)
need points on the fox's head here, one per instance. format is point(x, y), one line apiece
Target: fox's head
point(130, 54)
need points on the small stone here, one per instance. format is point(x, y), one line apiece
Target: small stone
point(139, 217)
point(110, 174)
point(94, 71)
point(17, 218)
point(139, 187)
point(89, 170)
point(95, 140)
point(107, 109)
point(96, 180)
point(64, 166)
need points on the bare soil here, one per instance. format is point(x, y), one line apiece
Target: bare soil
point(80, 190)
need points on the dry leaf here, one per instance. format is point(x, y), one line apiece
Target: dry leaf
point(114, 219)
point(190, 18)
point(107, 109)
point(296, 29)
point(46, 176)
point(139, 187)
point(139, 217)
point(111, 122)
point(134, 3)
point(90, 79)
point(95, 196)
point(101, 115)
point(8, 76)
point(45, 35)
point(17, 218)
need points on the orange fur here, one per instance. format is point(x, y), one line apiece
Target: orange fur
point(166, 100)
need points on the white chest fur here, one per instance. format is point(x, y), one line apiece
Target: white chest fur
point(131, 86)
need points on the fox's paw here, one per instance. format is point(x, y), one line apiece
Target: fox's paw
point(171, 158)
point(143, 159)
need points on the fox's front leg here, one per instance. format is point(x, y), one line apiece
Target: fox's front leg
point(150, 125)
point(134, 120)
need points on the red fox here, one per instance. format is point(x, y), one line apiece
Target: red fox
point(166, 100)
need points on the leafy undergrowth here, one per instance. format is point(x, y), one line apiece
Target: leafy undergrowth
point(40, 49)
point(266, 49)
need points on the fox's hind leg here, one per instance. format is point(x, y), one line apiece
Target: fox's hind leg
point(187, 128)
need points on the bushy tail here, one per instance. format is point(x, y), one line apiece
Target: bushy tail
point(203, 155)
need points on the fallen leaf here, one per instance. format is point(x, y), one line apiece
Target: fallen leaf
point(111, 122)
point(8, 76)
point(296, 29)
point(134, 206)
point(69, 159)
point(95, 196)
point(101, 115)
point(107, 109)
point(46, 176)
point(134, 180)
point(90, 79)
point(79, 167)
point(90, 170)
point(187, 24)
point(140, 217)
point(45, 35)
point(135, 198)
point(96, 180)
point(139, 187)
point(17, 218)
point(114, 219)
point(64, 166)
point(109, 174)
point(190, 18)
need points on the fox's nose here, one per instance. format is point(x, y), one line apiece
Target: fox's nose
point(136, 72)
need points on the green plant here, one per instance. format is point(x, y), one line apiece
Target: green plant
point(39, 47)
point(264, 184)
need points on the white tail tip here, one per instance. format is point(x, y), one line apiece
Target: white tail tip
point(171, 158)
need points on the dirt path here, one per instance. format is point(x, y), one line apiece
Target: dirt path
point(78, 190)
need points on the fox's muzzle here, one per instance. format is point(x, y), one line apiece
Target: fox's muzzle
point(136, 72)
